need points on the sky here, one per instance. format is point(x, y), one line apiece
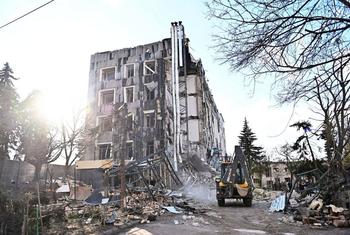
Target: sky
point(50, 50)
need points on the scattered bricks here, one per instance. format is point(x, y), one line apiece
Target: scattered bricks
point(152, 217)
point(311, 212)
point(346, 213)
point(325, 210)
point(332, 217)
point(118, 224)
point(133, 217)
point(305, 220)
point(341, 223)
point(316, 205)
point(309, 220)
point(298, 217)
point(144, 221)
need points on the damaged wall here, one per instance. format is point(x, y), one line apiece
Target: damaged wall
point(133, 76)
point(142, 77)
point(277, 174)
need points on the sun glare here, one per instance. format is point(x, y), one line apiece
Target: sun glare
point(55, 108)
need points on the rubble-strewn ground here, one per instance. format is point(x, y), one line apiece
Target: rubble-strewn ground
point(234, 218)
point(231, 219)
point(190, 210)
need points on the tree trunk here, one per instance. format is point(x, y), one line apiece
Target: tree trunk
point(66, 171)
point(37, 172)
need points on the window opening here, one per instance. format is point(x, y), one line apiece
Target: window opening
point(150, 67)
point(108, 74)
point(104, 151)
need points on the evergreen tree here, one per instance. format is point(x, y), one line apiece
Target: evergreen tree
point(253, 154)
point(8, 112)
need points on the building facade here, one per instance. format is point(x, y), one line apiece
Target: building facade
point(146, 99)
point(276, 176)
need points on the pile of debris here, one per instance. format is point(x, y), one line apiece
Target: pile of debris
point(82, 217)
point(310, 210)
point(260, 194)
point(318, 214)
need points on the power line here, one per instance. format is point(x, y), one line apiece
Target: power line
point(26, 14)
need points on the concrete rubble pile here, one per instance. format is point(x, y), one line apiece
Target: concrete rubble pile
point(310, 210)
point(317, 198)
point(318, 214)
point(77, 217)
point(265, 195)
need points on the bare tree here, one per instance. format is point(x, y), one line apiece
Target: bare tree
point(74, 141)
point(305, 44)
point(284, 36)
point(332, 99)
point(286, 152)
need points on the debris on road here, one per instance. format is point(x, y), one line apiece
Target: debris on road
point(278, 204)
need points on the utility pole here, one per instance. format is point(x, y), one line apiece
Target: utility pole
point(123, 151)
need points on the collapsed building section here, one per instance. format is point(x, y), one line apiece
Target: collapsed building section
point(151, 99)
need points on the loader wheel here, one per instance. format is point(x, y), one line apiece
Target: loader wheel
point(221, 202)
point(247, 202)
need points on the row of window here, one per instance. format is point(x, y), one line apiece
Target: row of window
point(108, 74)
point(268, 171)
point(107, 97)
point(104, 150)
point(105, 122)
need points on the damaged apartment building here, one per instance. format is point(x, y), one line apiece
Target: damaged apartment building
point(152, 98)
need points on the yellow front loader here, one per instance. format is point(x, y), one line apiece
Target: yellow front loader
point(235, 181)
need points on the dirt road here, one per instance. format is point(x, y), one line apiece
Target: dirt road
point(231, 219)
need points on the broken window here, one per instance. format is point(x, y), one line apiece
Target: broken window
point(269, 184)
point(150, 94)
point(129, 122)
point(108, 74)
point(268, 172)
point(129, 94)
point(150, 148)
point(148, 54)
point(129, 149)
point(257, 181)
point(130, 70)
point(104, 151)
point(149, 120)
point(107, 97)
point(149, 67)
point(105, 123)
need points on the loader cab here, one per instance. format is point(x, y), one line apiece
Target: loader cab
point(239, 177)
point(224, 168)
